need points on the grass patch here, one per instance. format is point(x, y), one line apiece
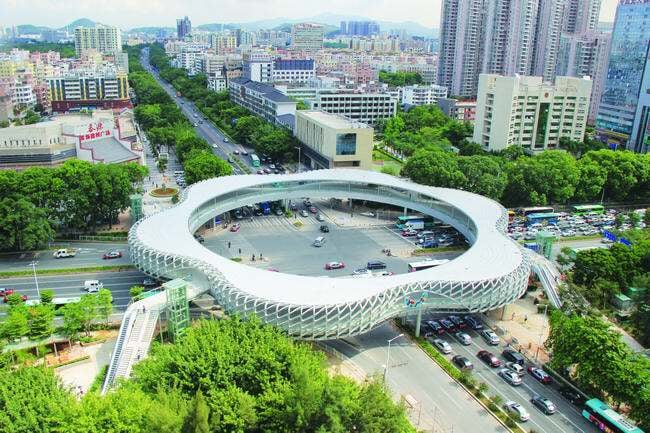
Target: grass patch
point(99, 380)
point(236, 259)
point(383, 160)
point(90, 269)
point(380, 154)
point(241, 165)
point(72, 361)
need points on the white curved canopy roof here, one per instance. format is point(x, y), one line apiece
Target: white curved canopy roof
point(491, 256)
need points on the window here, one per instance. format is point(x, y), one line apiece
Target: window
point(346, 144)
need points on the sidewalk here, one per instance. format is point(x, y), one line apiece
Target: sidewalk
point(523, 327)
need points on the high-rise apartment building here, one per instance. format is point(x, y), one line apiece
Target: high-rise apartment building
point(222, 43)
point(100, 88)
point(183, 27)
point(580, 15)
point(359, 28)
point(525, 111)
point(627, 56)
point(497, 36)
point(640, 138)
point(101, 38)
point(461, 45)
point(307, 37)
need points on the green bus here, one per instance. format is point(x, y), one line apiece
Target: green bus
point(607, 419)
point(255, 160)
point(588, 209)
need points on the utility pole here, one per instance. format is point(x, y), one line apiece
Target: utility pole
point(388, 355)
point(33, 265)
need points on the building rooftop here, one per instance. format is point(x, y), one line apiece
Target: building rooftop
point(269, 92)
point(109, 150)
point(332, 120)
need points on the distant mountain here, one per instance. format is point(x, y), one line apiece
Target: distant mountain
point(152, 30)
point(29, 29)
point(81, 22)
point(334, 20)
point(216, 27)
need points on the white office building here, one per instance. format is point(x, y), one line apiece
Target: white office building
point(423, 95)
point(361, 107)
point(528, 112)
point(263, 100)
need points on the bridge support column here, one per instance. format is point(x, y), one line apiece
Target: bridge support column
point(418, 320)
point(406, 211)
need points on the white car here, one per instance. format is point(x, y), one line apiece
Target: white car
point(516, 368)
point(517, 410)
point(442, 345)
point(464, 338)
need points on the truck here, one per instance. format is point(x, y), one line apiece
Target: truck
point(64, 253)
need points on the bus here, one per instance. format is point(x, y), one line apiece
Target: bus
point(538, 209)
point(588, 209)
point(548, 218)
point(426, 264)
point(607, 419)
point(255, 160)
point(416, 222)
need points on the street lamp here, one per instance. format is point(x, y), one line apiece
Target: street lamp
point(298, 147)
point(33, 265)
point(388, 355)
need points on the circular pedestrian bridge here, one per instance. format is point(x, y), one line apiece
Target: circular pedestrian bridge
point(493, 272)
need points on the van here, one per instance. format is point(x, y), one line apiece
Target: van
point(376, 264)
point(319, 241)
point(93, 286)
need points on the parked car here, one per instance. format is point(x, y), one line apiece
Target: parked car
point(442, 345)
point(517, 410)
point(113, 254)
point(313, 209)
point(458, 322)
point(543, 404)
point(516, 368)
point(199, 238)
point(464, 338)
point(490, 337)
point(574, 397)
point(473, 323)
point(489, 358)
point(334, 265)
point(436, 327)
point(362, 271)
point(449, 327)
point(324, 229)
point(462, 362)
point(510, 376)
point(279, 212)
point(408, 233)
point(304, 213)
point(235, 227)
point(513, 356)
point(376, 264)
point(540, 375)
point(320, 218)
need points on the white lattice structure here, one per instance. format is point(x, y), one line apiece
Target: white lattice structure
point(491, 273)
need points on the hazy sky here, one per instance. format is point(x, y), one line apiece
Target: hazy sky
point(134, 13)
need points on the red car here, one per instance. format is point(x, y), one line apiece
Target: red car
point(114, 254)
point(312, 209)
point(540, 375)
point(409, 233)
point(334, 265)
point(9, 292)
point(489, 358)
point(235, 227)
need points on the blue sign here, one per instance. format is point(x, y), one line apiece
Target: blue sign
point(609, 235)
point(626, 242)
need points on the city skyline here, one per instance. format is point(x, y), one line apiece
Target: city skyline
point(127, 14)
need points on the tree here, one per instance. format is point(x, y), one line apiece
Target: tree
point(104, 304)
point(4, 124)
point(40, 319)
point(436, 168)
point(31, 117)
point(619, 220)
point(201, 165)
point(197, 418)
point(23, 226)
point(634, 219)
point(646, 218)
point(136, 293)
point(245, 128)
point(483, 175)
point(15, 326)
point(46, 296)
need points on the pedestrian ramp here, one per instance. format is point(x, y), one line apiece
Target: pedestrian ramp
point(549, 275)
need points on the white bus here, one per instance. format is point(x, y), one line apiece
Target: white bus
point(426, 264)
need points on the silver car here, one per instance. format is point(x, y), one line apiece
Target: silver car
point(490, 337)
point(464, 338)
point(442, 345)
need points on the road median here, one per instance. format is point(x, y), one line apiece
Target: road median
point(65, 271)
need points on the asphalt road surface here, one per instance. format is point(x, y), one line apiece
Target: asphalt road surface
point(88, 254)
point(567, 419)
point(441, 402)
point(71, 285)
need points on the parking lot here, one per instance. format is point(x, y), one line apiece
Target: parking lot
point(290, 249)
point(564, 225)
point(568, 417)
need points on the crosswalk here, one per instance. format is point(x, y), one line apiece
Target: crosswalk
point(273, 221)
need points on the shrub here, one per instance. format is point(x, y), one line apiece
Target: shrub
point(510, 422)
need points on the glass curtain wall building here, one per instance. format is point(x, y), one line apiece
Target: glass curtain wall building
point(627, 58)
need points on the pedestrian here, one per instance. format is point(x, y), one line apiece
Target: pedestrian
point(240, 251)
point(513, 316)
point(228, 244)
point(144, 309)
point(260, 256)
point(526, 318)
point(253, 259)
